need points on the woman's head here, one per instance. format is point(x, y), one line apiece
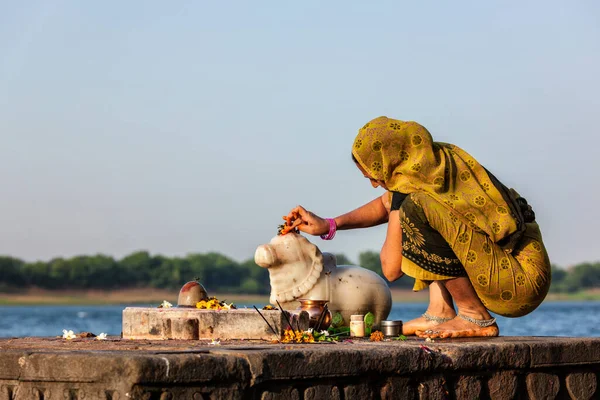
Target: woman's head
point(404, 158)
point(375, 183)
point(393, 153)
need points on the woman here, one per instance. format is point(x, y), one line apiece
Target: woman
point(451, 225)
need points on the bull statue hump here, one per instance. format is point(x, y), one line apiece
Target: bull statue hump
point(298, 270)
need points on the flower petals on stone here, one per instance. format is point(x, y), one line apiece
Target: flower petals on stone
point(68, 334)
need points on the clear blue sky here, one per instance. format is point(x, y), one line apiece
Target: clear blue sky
point(190, 126)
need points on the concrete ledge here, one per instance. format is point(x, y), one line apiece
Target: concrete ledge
point(497, 368)
point(192, 324)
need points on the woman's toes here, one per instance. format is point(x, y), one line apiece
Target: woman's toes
point(446, 334)
point(425, 334)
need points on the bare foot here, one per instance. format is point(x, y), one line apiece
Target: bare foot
point(422, 324)
point(458, 327)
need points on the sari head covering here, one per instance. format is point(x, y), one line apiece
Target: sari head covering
point(404, 156)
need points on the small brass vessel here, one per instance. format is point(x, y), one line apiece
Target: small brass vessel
point(315, 309)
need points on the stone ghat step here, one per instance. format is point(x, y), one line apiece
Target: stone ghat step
point(193, 323)
point(491, 368)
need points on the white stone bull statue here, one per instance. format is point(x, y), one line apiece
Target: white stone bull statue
point(298, 270)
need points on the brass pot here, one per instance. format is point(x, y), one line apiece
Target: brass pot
point(315, 309)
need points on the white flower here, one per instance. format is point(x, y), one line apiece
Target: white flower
point(101, 336)
point(324, 333)
point(215, 342)
point(166, 304)
point(310, 330)
point(226, 306)
point(68, 334)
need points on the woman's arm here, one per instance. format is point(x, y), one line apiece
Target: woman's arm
point(373, 213)
point(391, 252)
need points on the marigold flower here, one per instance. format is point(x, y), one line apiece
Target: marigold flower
point(214, 304)
point(376, 336)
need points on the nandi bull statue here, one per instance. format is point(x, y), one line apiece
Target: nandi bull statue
point(298, 270)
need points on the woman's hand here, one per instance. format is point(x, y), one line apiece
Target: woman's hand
point(311, 223)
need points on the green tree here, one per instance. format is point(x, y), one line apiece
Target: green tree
point(343, 260)
point(221, 272)
point(372, 261)
point(257, 280)
point(59, 274)
point(161, 273)
point(582, 276)
point(11, 272)
point(36, 274)
point(80, 272)
point(105, 273)
point(136, 268)
point(558, 278)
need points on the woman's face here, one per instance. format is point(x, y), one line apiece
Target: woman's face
point(375, 183)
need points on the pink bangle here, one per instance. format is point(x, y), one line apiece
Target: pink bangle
point(332, 229)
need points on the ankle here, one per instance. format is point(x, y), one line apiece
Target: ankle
point(477, 313)
point(441, 311)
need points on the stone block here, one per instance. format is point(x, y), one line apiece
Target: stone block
point(503, 385)
point(398, 388)
point(564, 351)
point(361, 391)
point(284, 393)
point(357, 359)
point(182, 392)
point(542, 386)
point(322, 392)
point(581, 385)
point(493, 352)
point(8, 362)
point(433, 389)
point(218, 369)
point(193, 324)
point(467, 387)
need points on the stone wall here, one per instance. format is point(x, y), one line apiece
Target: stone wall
point(498, 368)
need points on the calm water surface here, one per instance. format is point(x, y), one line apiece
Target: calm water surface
point(550, 319)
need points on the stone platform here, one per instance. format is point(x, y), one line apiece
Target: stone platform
point(119, 369)
point(192, 324)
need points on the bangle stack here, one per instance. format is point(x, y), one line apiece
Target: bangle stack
point(332, 229)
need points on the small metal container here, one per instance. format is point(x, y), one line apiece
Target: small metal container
point(391, 328)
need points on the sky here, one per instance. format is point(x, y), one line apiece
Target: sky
point(189, 127)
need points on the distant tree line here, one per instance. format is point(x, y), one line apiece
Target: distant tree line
point(218, 273)
point(579, 277)
point(215, 271)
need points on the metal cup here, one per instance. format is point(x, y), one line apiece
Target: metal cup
point(391, 328)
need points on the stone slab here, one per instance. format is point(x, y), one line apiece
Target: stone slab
point(193, 324)
point(54, 368)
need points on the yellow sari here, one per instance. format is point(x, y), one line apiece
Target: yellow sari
point(480, 220)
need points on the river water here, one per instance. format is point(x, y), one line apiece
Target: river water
point(576, 319)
